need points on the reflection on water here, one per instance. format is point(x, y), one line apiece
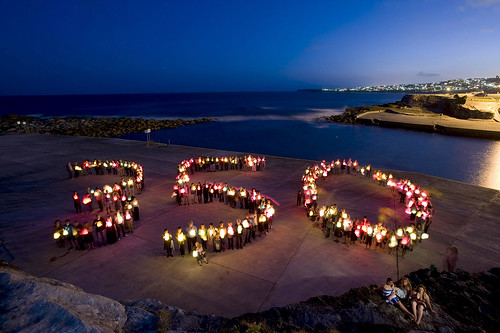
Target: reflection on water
point(489, 172)
point(469, 160)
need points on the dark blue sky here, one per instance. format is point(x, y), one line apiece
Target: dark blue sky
point(105, 46)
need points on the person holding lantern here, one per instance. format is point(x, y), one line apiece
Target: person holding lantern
point(58, 233)
point(181, 240)
point(99, 226)
point(68, 235)
point(203, 233)
point(76, 202)
point(99, 198)
point(168, 244)
point(222, 232)
point(111, 236)
point(211, 232)
point(199, 253)
point(120, 225)
point(191, 232)
point(239, 234)
point(230, 236)
point(88, 236)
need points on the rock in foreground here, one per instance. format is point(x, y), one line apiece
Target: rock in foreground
point(464, 302)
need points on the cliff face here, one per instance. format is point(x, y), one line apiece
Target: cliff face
point(458, 107)
point(464, 302)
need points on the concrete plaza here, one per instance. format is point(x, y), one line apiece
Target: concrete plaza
point(294, 262)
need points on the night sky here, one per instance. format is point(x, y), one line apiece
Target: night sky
point(99, 46)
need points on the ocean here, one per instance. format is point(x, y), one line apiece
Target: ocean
point(284, 124)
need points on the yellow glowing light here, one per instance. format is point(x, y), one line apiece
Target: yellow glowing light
point(393, 242)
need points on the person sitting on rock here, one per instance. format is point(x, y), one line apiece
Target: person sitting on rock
point(404, 291)
point(389, 294)
point(419, 302)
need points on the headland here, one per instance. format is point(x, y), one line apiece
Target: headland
point(469, 115)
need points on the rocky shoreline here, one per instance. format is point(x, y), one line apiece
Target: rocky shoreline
point(87, 126)
point(467, 116)
point(464, 302)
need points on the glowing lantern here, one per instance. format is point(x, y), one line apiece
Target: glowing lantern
point(57, 235)
point(399, 232)
point(108, 188)
point(311, 213)
point(413, 236)
point(230, 230)
point(357, 232)
point(378, 236)
point(128, 216)
point(195, 253)
point(86, 200)
point(245, 223)
point(180, 237)
point(408, 210)
point(239, 228)
point(409, 229)
point(384, 232)
point(109, 223)
point(84, 232)
point(425, 235)
point(369, 231)
point(119, 219)
point(99, 224)
point(65, 232)
point(393, 242)
point(75, 232)
point(262, 218)
point(339, 224)
point(210, 232)
point(222, 233)
point(75, 196)
point(405, 240)
point(192, 233)
point(322, 212)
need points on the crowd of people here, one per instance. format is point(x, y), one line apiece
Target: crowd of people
point(101, 232)
point(98, 167)
point(352, 230)
point(118, 203)
point(235, 197)
point(222, 163)
point(120, 197)
point(224, 236)
point(218, 238)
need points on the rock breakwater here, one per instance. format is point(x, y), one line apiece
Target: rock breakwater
point(87, 126)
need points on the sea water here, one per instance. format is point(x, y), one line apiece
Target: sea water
point(284, 124)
